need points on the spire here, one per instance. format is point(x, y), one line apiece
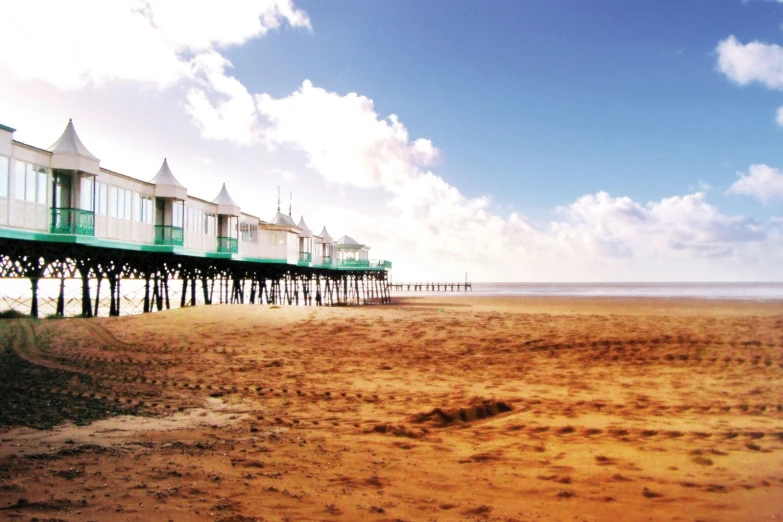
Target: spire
point(290, 199)
point(69, 143)
point(278, 198)
point(166, 185)
point(306, 232)
point(324, 235)
point(225, 204)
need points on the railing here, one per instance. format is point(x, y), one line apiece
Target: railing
point(227, 245)
point(168, 235)
point(305, 258)
point(326, 261)
point(72, 221)
point(353, 262)
point(364, 263)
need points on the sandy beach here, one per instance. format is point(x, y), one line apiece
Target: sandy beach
point(461, 408)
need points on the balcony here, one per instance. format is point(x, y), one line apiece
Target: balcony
point(364, 263)
point(72, 221)
point(168, 235)
point(305, 258)
point(326, 261)
point(353, 263)
point(227, 245)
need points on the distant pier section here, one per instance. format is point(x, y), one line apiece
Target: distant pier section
point(431, 287)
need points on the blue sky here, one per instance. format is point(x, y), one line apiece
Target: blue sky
point(533, 140)
point(539, 102)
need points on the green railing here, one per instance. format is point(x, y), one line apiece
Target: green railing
point(363, 263)
point(305, 258)
point(326, 261)
point(358, 263)
point(73, 221)
point(227, 245)
point(168, 235)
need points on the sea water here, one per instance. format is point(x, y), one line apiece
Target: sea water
point(744, 291)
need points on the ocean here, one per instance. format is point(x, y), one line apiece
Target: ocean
point(744, 291)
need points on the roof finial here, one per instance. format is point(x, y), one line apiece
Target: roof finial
point(278, 198)
point(290, 198)
point(70, 120)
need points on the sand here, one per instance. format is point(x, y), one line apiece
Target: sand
point(431, 409)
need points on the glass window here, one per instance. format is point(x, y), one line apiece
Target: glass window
point(43, 182)
point(19, 179)
point(103, 199)
point(128, 204)
point(29, 189)
point(176, 214)
point(4, 166)
point(86, 194)
point(113, 202)
point(137, 213)
point(121, 203)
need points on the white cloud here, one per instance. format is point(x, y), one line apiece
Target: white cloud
point(751, 62)
point(232, 116)
point(94, 42)
point(343, 137)
point(761, 182)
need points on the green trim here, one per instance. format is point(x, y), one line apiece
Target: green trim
point(6, 128)
point(32, 235)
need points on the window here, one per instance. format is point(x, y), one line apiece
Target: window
point(43, 182)
point(4, 166)
point(146, 214)
point(276, 237)
point(30, 182)
point(248, 232)
point(121, 203)
point(19, 180)
point(210, 224)
point(176, 214)
point(102, 205)
point(137, 215)
point(113, 202)
point(128, 204)
point(87, 194)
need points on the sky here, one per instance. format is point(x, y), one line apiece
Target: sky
point(534, 140)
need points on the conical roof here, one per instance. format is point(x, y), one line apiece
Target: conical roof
point(281, 220)
point(69, 143)
point(324, 235)
point(226, 205)
point(306, 232)
point(348, 241)
point(166, 185)
point(69, 153)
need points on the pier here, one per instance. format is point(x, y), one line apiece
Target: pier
point(431, 287)
point(65, 218)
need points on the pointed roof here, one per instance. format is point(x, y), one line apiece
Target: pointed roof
point(281, 220)
point(348, 241)
point(226, 205)
point(69, 143)
point(69, 153)
point(166, 185)
point(324, 235)
point(306, 232)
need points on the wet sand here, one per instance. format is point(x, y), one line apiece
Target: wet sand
point(459, 408)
